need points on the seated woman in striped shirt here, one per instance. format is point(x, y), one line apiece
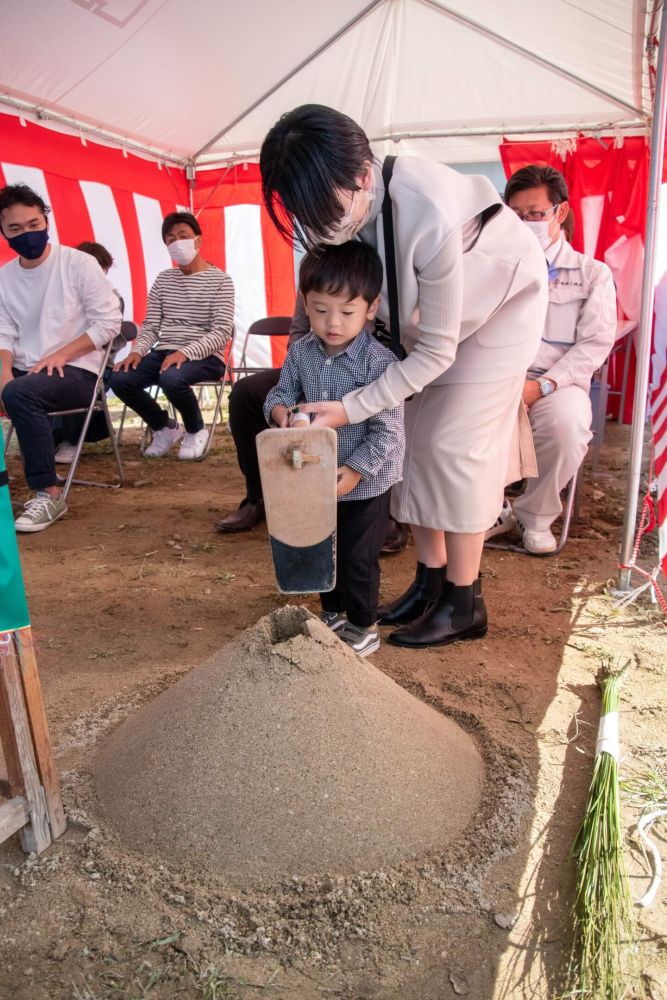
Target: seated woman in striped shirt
point(189, 320)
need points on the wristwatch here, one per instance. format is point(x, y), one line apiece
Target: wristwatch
point(546, 386)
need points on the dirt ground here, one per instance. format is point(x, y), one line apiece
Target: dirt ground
point(134, 588)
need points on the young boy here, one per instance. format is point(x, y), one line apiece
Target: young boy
point(341, 288)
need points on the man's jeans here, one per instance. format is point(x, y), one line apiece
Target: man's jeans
point(175, 383)
point(28, 400)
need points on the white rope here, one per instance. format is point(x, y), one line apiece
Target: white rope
point(608, 741)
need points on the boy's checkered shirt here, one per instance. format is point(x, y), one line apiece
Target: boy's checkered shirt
point(375, 447)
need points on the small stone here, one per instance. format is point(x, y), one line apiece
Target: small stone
point(459, 983)
point(505, 920)
point(95, 876)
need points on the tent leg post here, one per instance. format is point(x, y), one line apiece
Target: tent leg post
point(643, 343)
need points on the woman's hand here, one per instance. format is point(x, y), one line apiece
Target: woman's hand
point(327, 414)
point(347, 480)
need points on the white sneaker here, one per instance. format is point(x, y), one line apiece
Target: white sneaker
point(65, 453)
point(333, 619)
point(506, 521)
point(193, 446)
point(40, 512)
point(538, 543)
point(362, 641)
point(163, 441)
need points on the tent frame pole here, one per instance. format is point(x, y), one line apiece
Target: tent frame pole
point(646, 315)
point(528, 54)
point(292, 73)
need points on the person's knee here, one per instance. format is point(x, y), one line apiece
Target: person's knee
point(17, 393)
point(173, 379)
point(120, 380)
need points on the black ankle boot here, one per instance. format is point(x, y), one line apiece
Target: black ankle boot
point(459, 614)
point(422, 592)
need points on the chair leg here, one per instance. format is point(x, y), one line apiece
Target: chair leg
point(119, 435)
point(219, 390)
point(8, 435)
point(569, 510)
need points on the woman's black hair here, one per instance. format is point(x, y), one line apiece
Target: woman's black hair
point(21, 194)
point(352, 269)
point(311, 153)
point(174, 218)
point(536, 176)
point(100, 253)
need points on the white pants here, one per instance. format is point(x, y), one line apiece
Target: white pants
point(561, 426)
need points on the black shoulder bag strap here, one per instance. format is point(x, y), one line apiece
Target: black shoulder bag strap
point(390, 261)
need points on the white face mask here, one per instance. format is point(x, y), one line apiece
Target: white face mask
point(182, 251)
point(348, 227)
point(540, 230)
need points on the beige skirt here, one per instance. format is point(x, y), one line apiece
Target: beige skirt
point(464, 443)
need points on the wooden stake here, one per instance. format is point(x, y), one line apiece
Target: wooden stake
point(19, 755)
point(34, 703)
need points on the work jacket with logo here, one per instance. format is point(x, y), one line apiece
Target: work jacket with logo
point(581, 319)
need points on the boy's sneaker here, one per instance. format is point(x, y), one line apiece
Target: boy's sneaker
point(65, 453)
point(505, 521)
point(362, 641)
point(40, 511)
point(333, 619)
point(163, 441)
point(193, 446)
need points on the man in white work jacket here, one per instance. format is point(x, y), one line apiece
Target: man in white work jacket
point(578, 335)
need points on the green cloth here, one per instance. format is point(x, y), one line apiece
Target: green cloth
point(13, 606)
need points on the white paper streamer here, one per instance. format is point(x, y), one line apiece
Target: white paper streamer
point(608, 736)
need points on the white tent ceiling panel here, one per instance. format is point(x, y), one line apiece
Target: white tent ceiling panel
point(173, 76)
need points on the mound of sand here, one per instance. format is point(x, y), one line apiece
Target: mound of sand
point(286, 755)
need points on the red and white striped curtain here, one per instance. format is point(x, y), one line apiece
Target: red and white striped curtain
point(99, 193)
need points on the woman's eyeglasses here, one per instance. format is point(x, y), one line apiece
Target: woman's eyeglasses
point(536, 216)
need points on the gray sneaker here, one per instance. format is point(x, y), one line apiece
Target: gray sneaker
point(333, 619)
point(40, 511)
point(362, 641)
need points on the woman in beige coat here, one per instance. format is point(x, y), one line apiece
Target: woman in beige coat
point(472, 294)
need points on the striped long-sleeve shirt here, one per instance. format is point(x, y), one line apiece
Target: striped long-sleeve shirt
point(192, 313)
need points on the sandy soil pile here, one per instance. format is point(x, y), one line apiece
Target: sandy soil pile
point(286, 755)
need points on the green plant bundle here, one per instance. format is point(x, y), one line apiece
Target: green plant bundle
point(603, 913)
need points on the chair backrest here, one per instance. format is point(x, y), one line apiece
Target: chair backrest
point(272, 326)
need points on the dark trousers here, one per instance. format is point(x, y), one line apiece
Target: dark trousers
point(246, 420)
point(69, 428)
point(175, 383)
point(361, 526)
point(28, 400)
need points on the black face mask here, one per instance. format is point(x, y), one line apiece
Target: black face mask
point(30, 245)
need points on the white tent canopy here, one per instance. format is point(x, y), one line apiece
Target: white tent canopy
point(205, 80)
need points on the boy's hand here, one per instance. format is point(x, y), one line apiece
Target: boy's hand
point(347, 480)
point(280, 415)
point(327, 414)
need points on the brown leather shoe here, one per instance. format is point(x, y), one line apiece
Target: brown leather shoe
point(396, 538)
point(245, 518)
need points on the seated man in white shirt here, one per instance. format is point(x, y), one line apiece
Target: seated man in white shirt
point(578, 335)
point(57, 313)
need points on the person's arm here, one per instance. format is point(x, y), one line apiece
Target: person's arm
point(8, 337)
point(222, 324)
point(300, 324)
point(385, 435)
point(595, 334)
point(150, 328)
point(288, 392)
point(440, 305)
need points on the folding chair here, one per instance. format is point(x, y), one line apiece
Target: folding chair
point(570, 514)
point(98, 403)
point(272, 326)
